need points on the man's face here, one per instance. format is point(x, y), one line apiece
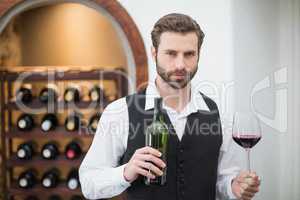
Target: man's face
point(177, 58)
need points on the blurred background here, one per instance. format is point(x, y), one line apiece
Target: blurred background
point(80, 55)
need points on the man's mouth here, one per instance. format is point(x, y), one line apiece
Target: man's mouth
point(179, 73)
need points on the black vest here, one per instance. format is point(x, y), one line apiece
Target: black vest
point(192, 162)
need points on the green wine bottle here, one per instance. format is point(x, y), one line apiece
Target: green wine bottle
point(157, 137)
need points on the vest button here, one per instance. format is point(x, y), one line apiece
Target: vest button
point(180, 171)
point(181, 164)
point(181, 180)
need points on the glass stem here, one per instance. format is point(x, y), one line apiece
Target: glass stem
point(248, 159)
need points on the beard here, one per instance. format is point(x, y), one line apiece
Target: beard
point(169, 76)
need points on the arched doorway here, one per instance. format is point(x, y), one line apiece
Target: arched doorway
point(120, 19)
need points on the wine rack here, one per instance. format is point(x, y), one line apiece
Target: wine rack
point(10, 134)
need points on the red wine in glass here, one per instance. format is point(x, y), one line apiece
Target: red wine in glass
point(246, 141)
point(246, 132)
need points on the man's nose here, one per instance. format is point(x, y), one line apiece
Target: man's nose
point(180, 62)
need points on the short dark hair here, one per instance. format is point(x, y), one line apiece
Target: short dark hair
point(177, 23)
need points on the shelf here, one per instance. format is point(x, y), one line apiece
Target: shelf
point(38, 189)
point(36, 104)
point(59, 132)
point(68, 75)
point(38, 160)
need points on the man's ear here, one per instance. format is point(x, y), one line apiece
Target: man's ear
point(153, 53)
point(199, 51)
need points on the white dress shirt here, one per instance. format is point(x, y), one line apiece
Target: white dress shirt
point(100, 174)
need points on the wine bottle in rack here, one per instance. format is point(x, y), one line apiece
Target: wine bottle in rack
point(93, 123)
point(73, 150)
point(25, 151)
point(72, 94)
point(48, 94)
point(24, 95)
point(49, 122)
point(73, 179)
point(77, 197)
point(27, 179)
point(25, 122)
point(97, 94)
point(73, 122)
point(54, 197)
point(50, 151)
point(50, 178)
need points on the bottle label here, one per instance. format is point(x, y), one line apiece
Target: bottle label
point(46, 153)
point(70, 125)
point(46, 125)
point(70, 154)
point(72, 184)
point(23, 182)
point(46, 182)
point(69, 96)
point(21, 153)
point(94, 96)
point(22, 123)
point(94, 124)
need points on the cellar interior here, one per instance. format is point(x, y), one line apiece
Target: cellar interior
point(60, 65)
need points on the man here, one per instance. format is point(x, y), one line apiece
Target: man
point(199, 159)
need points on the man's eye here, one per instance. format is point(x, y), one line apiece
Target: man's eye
point(170, 53)
point(189, 54)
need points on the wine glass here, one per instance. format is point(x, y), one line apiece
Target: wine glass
point(246, 132)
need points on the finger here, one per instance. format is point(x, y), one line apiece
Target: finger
point(246, 198)
point(150, 166)
point(255, 184)
point(253, 174)
point(252, 189)
point(252, 182)
point(248, 179)
point(242, 175)
point(248, 188)
point(148, 150)
point(254, 177)
point(259, 182)
point(245, 188)
point(245, 194)
point(144, 172)
point(148, 157)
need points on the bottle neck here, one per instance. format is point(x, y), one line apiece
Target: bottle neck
point(157, 109)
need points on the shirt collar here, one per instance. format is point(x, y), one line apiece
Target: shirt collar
point(196, 103)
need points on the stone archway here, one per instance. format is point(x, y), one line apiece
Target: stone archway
point(11, 8)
